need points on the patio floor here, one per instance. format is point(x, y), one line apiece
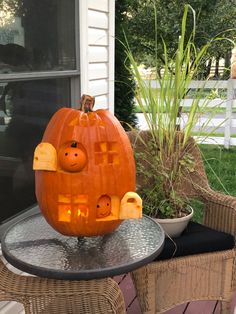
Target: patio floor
point(197, 307)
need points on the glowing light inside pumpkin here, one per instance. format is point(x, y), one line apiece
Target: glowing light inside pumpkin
point(64, 213)
point(82, 210)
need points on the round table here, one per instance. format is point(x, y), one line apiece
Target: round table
point(33, 246)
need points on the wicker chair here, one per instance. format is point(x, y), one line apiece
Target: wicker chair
point(164, 284)
point(49, 296)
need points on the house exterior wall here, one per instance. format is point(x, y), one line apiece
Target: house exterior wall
point(97, 28)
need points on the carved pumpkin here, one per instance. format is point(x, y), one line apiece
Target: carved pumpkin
point(85, 173)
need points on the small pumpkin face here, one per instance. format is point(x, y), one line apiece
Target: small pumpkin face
point(71, 157)
point(103, 206)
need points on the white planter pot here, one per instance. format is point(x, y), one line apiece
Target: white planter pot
point(175, 226)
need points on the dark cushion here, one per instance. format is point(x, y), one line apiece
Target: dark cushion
point(196, 239)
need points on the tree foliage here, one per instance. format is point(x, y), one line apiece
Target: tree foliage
point(124, 82)
point(212, 18)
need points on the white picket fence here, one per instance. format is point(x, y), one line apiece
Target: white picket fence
point(226, 120)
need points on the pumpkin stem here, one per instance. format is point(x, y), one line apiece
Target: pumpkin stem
point(87, 103)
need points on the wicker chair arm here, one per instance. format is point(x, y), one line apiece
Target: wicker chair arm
point(220, 211)
point(42, 295)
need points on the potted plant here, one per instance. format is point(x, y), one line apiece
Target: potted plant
point(165, 158)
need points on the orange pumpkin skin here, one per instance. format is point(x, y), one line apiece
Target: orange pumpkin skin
point(79, 203)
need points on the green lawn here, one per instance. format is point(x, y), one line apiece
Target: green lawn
point(220, 165)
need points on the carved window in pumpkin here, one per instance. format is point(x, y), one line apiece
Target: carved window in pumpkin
point(106, 153)
point(81, 205)
point(72, 205)
point(64, 213)
point(81, 210)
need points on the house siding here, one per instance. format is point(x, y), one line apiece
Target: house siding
point(97, 51)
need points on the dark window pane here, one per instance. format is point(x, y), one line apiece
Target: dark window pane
point(37, 35)
point(26, 108)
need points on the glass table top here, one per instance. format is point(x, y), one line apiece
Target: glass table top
point(32, 245)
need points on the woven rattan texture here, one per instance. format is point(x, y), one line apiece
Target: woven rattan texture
point(162, 285)
point(49, 296)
